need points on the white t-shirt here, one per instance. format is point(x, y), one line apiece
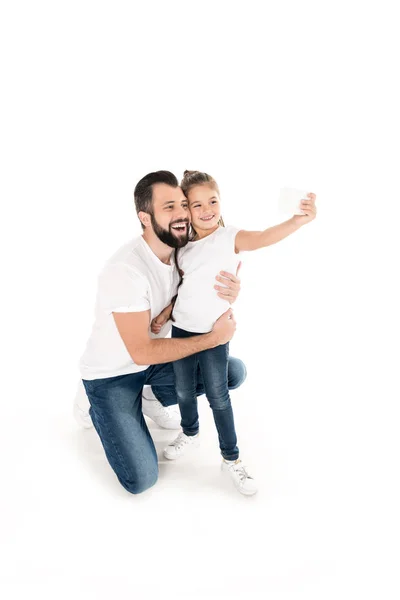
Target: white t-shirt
point(198, 306)
point(133, 280)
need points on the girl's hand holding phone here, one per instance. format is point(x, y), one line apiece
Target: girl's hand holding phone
point(309, 209)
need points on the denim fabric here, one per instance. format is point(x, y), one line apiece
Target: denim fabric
point(213, 365)
point(116, 412)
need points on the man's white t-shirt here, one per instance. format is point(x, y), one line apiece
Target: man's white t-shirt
point(133, 280)
point(198, 306)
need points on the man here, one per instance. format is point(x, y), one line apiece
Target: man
point(122, 355)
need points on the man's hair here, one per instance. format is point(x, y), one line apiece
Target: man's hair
point(143, 193)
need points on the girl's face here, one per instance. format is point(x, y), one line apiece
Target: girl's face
point(204, 206)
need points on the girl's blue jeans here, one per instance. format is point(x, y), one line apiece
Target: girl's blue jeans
point(213, 366)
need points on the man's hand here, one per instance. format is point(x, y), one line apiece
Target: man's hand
point(224, 328)
point(231, 285)
point(161, 319)
point(309, 209)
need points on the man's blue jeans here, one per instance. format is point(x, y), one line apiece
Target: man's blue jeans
point(213, 364)
point(116, 412)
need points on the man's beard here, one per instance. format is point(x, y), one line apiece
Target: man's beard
point(167, 237)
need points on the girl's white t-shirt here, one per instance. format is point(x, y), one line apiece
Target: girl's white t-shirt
point(198, 306)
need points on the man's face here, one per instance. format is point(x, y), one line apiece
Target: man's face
point(171, 217)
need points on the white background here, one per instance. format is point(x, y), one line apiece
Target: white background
point(261, 95)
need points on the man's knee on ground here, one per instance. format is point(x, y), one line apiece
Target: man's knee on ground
point(141, 484)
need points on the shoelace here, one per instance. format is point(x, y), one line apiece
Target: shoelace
point(179, 442)
point(241, 471)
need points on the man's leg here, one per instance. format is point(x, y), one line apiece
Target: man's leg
point(237, 372)
point(116, 412)
point(165, 417)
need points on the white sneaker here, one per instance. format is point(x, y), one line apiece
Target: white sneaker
point(165, 417)
point(82, 418)
point(81, 408)
point(240, 477)
point(181, 445)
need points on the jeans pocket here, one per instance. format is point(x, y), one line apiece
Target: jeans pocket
point(92, 385)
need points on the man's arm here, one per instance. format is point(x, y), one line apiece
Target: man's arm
point(133, 328)
point(230, 288)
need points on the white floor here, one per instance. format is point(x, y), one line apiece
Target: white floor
point(316, 529)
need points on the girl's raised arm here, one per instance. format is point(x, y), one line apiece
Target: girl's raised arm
point(253, 240)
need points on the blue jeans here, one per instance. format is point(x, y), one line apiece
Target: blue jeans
point(116, 412)
point(213, 365)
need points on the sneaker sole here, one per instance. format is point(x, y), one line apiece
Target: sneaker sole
point(244, 492)
point(168, 457)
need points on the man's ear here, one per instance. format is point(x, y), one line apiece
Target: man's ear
point(144, 218)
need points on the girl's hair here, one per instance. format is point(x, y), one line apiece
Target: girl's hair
point(192, 178)
point(189, 181)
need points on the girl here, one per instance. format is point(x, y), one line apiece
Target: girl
point(212, 246)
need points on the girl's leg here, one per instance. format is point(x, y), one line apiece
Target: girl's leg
point(185, 371)
point(214, 368)
point(185, 377)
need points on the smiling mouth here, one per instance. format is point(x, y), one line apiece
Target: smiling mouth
point(179, 227)
point(207, 218)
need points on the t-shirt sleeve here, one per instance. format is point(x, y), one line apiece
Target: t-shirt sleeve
point(230, 236)
point(122, 289)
